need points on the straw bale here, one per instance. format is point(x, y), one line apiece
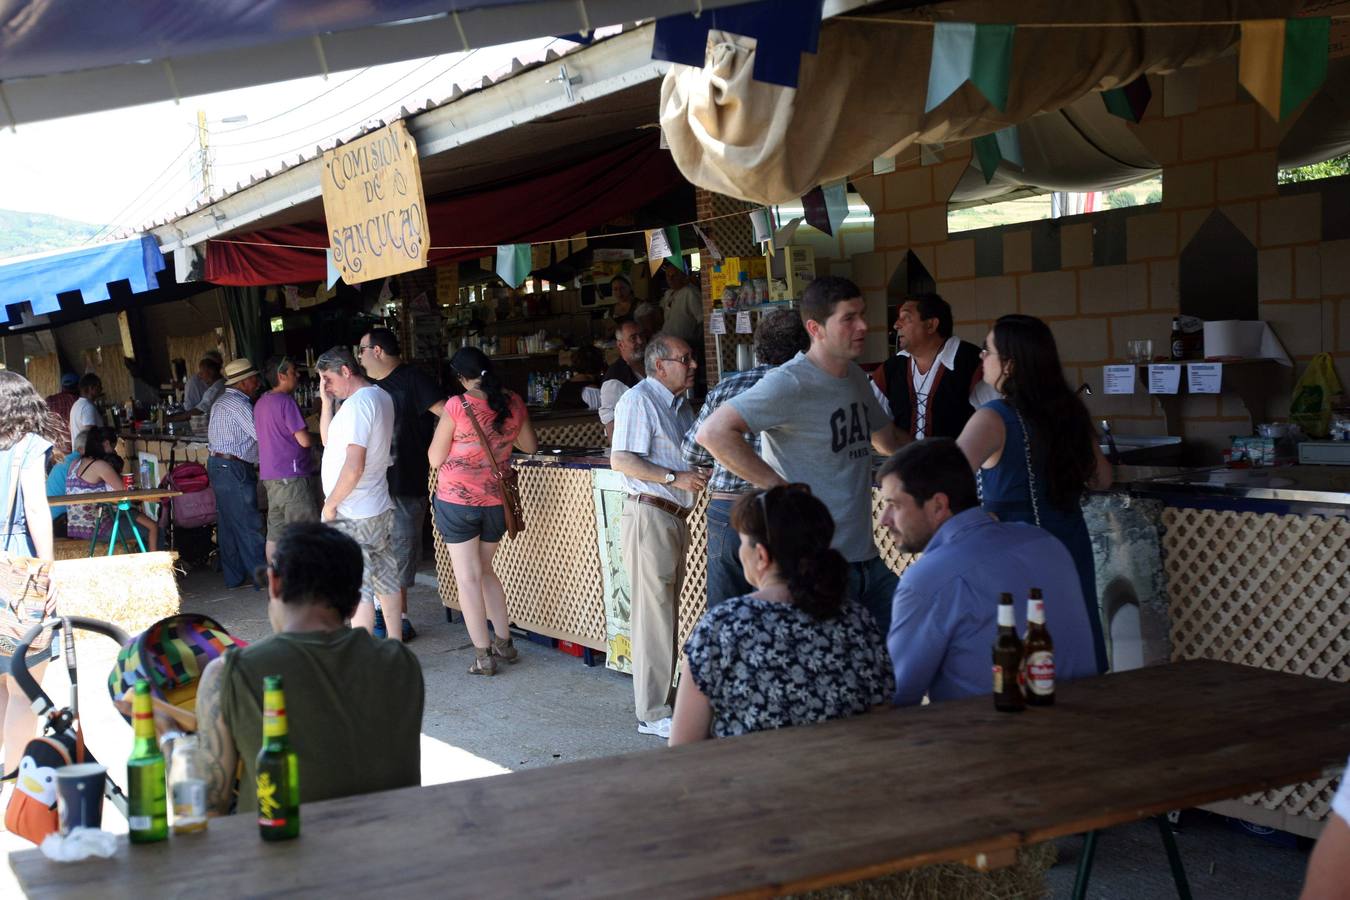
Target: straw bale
point(133, 591)
point(191, 348)
point(44, 373)
point(1024, 880)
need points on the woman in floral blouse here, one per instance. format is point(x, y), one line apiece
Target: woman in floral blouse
point(795, 651)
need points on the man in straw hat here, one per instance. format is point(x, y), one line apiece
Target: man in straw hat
point(233, 469)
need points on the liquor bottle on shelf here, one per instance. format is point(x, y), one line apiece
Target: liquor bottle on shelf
point(1038, 654)
point(147, 807)
point(278, 779)
point(1007, 660)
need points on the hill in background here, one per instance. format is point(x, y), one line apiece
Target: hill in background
point(22, 233)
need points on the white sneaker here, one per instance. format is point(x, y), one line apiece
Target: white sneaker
point(660, 728)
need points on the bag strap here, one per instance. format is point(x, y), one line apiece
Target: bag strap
point(1031, 473)
point(12, 502)
point(482, 437)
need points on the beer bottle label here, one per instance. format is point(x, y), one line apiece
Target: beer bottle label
point(268, 802)
point(1040, 673)
point(998, 679)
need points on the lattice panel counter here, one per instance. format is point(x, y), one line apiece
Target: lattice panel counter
point(1264, 590)
point(551, 572)
point(581, 432)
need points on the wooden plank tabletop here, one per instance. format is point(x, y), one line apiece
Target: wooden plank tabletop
point(774, 811)
point(96, 497)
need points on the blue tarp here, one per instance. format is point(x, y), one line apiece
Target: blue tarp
point(39, 279)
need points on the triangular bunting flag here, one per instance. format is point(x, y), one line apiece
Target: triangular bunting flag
point(664, 244)
point(930, 154)
point(826, 207)
point(334, 273)
point(883, 165)
point(1129, 101)
point(714, 252)
point(1001, 146)
point(513, 263)
point(813, 204)
point(1283, 61)
point(763, 225)
point(964, 51)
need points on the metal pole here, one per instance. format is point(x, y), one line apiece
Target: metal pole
point(204, 143)
point(1174, 858)
point(1085, 866)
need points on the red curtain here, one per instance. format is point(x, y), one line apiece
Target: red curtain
point(552, 206)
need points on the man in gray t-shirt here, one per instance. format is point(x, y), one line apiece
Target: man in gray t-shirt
point(819, 421)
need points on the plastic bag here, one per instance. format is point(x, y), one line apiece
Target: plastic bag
point(1311, 406)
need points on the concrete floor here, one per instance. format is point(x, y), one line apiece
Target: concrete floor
point(549, 708)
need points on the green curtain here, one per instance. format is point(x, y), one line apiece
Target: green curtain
point(245, 307)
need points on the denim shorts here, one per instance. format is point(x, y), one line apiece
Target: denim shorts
point(458, 523)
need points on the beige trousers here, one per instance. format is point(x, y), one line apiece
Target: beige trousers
point(654, 544)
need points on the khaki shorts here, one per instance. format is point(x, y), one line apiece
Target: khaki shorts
point(379, 566)
point(290, 500)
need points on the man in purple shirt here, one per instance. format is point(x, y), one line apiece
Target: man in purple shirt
point(285, 465)
point(945, 609)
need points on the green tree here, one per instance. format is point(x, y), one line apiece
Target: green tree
point(1337, 165)
point(1121, 199)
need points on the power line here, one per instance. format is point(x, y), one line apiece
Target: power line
point(340, 112)
point(315, 141)
point(113, 221)
point(298, 106)
point(147, 208)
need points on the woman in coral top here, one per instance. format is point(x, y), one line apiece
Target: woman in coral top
point(468, 508)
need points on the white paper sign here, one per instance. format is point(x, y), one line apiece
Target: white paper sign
point(743, 325)
point(718, 323)
point(1204, 378)
point(1164, 379)
point(1118, 379)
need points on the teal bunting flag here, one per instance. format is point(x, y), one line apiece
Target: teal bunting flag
point(1001, 146)
point(964, 51)
point(513, 263)
point(1129, 101)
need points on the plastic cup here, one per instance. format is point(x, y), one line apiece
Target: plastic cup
point(79, 796)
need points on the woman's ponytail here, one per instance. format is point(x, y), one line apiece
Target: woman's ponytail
point(471, 364)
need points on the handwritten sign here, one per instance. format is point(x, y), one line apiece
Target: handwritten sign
point(718, 323)
point(1164, 378)
point(1204, 378)
point(743, 325)
point(372, 200)
point(1118, 379)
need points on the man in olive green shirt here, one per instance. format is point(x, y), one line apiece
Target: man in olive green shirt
point(353, 703)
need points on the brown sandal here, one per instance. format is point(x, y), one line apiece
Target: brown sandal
point(506, 649)
point(483, 663)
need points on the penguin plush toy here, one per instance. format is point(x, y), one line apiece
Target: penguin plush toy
point(32, 808)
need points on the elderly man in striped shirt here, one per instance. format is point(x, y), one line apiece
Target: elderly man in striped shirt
point(233, 469)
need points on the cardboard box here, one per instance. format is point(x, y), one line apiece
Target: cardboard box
point(790, 269)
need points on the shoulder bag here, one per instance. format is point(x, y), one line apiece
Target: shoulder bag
point(507, 480)
point(25, 586)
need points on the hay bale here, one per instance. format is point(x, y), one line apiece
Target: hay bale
point(78, 548)
point(1024, 880)
point(133, 591)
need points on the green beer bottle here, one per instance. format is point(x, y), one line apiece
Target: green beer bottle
point(278, 770)
point(147, 807)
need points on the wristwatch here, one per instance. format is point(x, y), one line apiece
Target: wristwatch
point(669, 479)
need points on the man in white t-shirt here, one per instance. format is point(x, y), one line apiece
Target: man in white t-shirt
point(84, 414)
point(1328, 875)
point(356, 456)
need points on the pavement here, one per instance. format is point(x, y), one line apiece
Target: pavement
point(549, 708)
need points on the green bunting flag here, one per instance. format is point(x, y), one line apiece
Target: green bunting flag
point(964, 51)
point(513, 263)
point(1001, 146)
point(1283, 61)
point(1129, 101)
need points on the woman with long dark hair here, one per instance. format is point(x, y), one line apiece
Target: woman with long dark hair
point(794, 652)
point(1034, 449)
point(28, 434)
point(99, 469)
point(468, 508)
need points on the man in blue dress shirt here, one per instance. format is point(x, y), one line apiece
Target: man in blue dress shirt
point(945, 609)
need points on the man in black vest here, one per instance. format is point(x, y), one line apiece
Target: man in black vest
point(934, 384)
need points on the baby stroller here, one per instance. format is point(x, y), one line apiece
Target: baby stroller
point(188, 521)
point(170, 654)
point(58, 725)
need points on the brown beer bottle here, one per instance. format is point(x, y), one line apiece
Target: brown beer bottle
point(1038, 654)
point(1007, 660)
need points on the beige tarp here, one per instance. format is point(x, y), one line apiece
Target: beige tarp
point(862, 95)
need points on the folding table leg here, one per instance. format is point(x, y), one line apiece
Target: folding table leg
point(1085, 866)
point(1174, 858)
point(125, 510)
point(98, 526)
point(112, 538)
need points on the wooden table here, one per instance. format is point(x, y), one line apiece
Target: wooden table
point(122, 502)
point(774, 811)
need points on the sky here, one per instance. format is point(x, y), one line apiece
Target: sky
point(147, 165)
